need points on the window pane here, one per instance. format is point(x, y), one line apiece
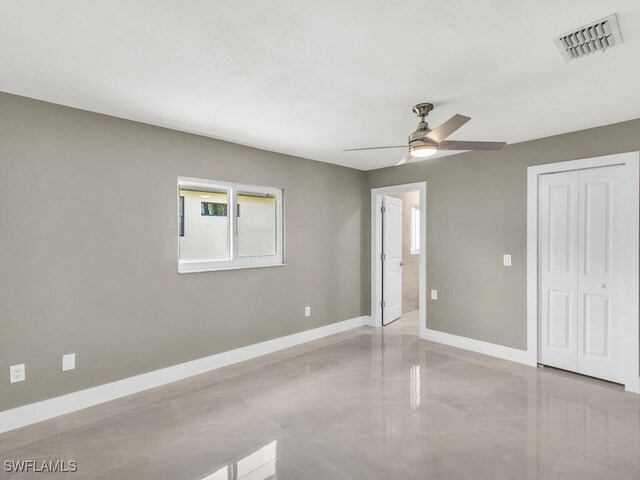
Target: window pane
point(181, 216)
point(213, 209)
point(205, 225)
point(415, 229)
point(256, 225)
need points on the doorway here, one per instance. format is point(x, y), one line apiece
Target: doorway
point(398, 254)
point(582, 267)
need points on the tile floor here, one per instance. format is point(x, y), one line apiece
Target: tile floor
point(365, 404)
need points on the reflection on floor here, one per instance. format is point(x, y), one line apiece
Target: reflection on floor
point(405, 325)
point(351, 407)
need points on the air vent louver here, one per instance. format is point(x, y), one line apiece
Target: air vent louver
point(595, 37)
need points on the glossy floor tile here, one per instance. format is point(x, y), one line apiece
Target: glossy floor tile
point(365, 404)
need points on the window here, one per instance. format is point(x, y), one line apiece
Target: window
point(415, 229)
point(214, 236)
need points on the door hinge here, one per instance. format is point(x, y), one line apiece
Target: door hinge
point(382, 304)
point(382, 256)
point(382, 209)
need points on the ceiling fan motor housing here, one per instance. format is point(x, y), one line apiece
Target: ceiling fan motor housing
point(417, 137)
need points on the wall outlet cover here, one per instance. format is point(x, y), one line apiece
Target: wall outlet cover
point(506, 260)
point(68, 362)
point(17, 373)
point(434, 294)
point(307, 311)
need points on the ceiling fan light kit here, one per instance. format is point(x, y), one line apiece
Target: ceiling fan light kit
point(425, 142)
point(422, 151)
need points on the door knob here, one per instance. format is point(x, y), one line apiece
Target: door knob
point(401, 263)
point(603, 285)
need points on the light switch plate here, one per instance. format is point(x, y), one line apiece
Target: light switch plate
point(506, 260)
point(434, 294)
point(68, 362)
point(307, 311)
point(17, 373)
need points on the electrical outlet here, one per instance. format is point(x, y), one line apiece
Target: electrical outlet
point(17, 373)
point(68, 362)
point(506, 260)
point(434, 294)
point(307, 311)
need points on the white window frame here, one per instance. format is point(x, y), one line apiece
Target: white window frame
point(415, 232)
point(234, 262)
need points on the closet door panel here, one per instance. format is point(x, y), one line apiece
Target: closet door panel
point(600, 263)
point(558, 269)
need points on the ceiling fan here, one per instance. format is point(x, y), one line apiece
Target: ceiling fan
point(425, 142)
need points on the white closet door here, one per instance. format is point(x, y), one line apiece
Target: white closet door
point(600, 282)
point(558, 269)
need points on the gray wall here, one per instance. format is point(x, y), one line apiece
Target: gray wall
point(88, 244)
point(88, 249)
point(411, 267)
point(476, 211)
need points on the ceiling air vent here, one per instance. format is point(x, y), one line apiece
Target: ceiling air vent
point(598, 36)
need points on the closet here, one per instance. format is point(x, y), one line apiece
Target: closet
point(580, 271)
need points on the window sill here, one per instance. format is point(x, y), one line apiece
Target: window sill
point(195, 269)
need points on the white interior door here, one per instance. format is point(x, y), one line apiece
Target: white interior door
point(558, 269)
point(600, 280)
point(580, 271)
point(391, 260)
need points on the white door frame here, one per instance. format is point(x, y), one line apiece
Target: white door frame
point(631, 163)
point(376, 250)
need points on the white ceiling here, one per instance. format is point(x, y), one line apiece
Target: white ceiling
point(310, 78)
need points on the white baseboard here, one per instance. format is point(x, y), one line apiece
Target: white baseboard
point(499, 351)
point(633, 386)
point(53, 407)
point(368, 321)
point(478, 346)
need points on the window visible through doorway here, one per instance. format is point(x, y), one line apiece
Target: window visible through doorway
point(415, 229)
point(214, 236)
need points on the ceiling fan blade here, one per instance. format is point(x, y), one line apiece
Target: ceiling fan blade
point(372, 148)
point(447, 128)
point(460, 145)
point(404, 160)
